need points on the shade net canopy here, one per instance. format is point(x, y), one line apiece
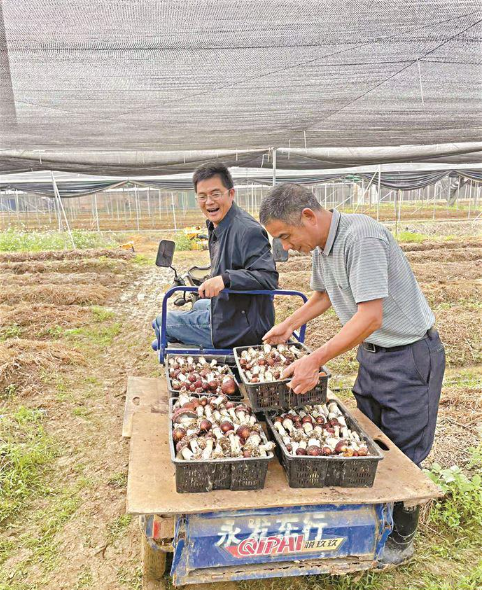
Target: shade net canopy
point(132, 87)
point(395, 176)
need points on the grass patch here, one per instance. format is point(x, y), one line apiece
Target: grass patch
point(408, 236)
point(43, 546)
point(13, 331)
point(117, 527)
point(142, 260)
point(100, 336)
point(117, 480)
point(132, 577)
point(463, 378)
point(459, 512)
point(183, 243)
point(101, 314)
point(81, 411)
point(25, 450)
point(13, 240)
point(84, 580)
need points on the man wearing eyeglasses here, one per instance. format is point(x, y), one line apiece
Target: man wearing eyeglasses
point(241, 260)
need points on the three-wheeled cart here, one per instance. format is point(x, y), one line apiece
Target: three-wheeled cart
point(278, 531)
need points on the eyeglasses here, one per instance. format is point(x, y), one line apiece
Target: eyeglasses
point(215, 195)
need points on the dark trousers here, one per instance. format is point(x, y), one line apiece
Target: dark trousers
point(399, 391)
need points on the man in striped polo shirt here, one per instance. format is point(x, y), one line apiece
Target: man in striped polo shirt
point(360, 270)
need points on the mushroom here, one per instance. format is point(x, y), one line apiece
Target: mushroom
point(183, 452)
point(254, 439)
point(234, 443)
point(226, 426)
point(341, 446)
point(178, 434)
point(266, 448)
point(279, 428)
point(314, 451)
point(288, 423)
point(243, 432)
point(228, 386)
point(205, 425)
point(184, 416)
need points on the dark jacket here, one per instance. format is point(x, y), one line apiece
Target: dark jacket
point(240, 252)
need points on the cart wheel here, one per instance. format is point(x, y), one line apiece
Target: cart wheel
point(154, 565)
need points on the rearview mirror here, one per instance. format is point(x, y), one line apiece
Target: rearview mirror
point(279, 254)
point(165, 254)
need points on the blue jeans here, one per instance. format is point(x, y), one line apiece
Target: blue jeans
point(190, 327)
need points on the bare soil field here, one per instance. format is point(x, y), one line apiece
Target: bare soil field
point(96, 265)
point(73, 326)
point(65, 255)
point(51, 293)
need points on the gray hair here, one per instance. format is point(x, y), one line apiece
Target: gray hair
point(286, 202)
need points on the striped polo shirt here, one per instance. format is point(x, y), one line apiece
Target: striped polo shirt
point(362, 261)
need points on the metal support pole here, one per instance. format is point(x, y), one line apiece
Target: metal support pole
point(274, 162)
point(149, 206)
point(378, 192)
point(137, 205)
point(174, 212)
point(57, 210)
point(61, 207)
point(399, 207)
point(17, 204)
point(97, 212)
point(469, 201)
point(434, 203)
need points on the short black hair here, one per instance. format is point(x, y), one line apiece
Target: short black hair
point(210, 169)
point(286, 202)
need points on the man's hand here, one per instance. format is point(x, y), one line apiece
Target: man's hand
point(211, 287)
point(304, 372)
point(278, 334)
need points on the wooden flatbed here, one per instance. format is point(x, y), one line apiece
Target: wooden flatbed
point(151, 480)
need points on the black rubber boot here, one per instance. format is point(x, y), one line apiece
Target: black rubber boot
point(399, 545)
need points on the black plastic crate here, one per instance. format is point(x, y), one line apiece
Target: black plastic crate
point(276, 395)
point(218, 474)
point(319, 472)
point(222, 359)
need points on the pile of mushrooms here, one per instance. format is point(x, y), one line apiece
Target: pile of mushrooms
point(213, 427)
point(197, 375)
point(266, 363)
point(318, 430)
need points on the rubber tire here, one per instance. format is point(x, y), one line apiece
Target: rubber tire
point(154, 564)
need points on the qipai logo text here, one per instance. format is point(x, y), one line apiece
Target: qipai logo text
point(280, 545)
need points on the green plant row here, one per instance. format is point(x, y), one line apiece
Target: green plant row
point(12, 240)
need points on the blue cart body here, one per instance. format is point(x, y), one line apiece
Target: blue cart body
point(279, 542)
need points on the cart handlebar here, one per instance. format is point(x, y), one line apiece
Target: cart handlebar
point(162, 342)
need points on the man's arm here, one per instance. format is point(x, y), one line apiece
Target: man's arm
point(363, 323)
point(317, 304)
point(259, 270)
